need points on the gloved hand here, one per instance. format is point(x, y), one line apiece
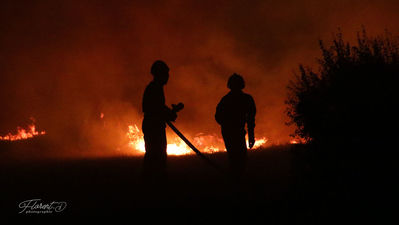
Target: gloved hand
point(173, 116)
point(174, 110)
point(251, 139)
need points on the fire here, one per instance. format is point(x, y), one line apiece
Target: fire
point(136, 141)
point(298, 140)
point(260, 142)
point(205, 143)
point(23, 133)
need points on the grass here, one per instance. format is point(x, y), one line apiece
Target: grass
point(114, 185)
point(280, 186)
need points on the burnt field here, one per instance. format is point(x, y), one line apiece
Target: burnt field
point(281, 185)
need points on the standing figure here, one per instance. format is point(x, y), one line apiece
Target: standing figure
point(234, 111)
point(156, 113)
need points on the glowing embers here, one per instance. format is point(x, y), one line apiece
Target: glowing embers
point(298, 140)
point(176, 146)
point(22, 133)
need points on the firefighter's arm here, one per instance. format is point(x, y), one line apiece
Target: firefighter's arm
point(251, 122)
point(169, 114)
point(219, 113)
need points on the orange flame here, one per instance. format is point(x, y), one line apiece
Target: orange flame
point(23, 134)
point(205, 143)
point(298, 140)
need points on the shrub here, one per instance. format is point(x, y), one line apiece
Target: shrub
point(353, 98)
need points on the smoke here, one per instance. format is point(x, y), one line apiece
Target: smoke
point(65, 62)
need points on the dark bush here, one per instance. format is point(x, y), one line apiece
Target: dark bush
point(348, 112)
point(353, 98)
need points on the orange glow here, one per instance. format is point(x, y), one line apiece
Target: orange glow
point(23, 134)
point(260, 142)
point(298, 141)
point(205, 143)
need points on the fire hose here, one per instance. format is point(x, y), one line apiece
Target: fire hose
point(198, 152)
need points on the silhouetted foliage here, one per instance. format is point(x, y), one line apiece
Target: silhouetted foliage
point(353, 98)
point(348, 111)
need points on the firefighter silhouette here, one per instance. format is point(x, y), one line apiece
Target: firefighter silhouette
point(156, 113)
point(234, 111)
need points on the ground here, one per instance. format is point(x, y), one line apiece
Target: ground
point(276, 188)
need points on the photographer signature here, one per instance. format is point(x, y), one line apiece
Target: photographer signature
point(37, 206)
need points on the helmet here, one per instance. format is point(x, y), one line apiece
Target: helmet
point(236, 82)
point(159, 67)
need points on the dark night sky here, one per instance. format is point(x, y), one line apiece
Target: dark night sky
point(63, 61)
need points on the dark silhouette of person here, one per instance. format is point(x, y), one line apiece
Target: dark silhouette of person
point(234, 111)
point(156, 113)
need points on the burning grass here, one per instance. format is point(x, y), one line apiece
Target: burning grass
point(23, 133)
point(205, 143)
